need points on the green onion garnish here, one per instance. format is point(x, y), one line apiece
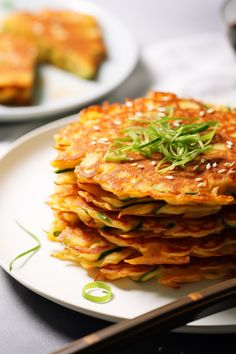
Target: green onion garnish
point(64, 170)
point(89, 288)
point(34, 249)
point(106, 253)
point(104, 218)
point(177, 143)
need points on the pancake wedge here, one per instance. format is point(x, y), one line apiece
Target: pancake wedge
point(17, 69)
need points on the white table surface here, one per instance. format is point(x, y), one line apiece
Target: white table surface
point(30, 324)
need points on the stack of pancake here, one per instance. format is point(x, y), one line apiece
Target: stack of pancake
point(126, 215)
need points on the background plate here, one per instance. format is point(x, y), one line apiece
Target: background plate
point(58, 91)
point(26, 180)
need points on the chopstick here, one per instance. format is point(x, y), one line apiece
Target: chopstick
point(186, 309)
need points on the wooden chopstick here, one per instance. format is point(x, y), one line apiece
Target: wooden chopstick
point(186, 309)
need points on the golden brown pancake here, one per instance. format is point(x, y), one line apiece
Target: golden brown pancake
point(88, 248)
point(173, 276)
point(91, 215)
point(209, 179)
point(17, 69)
point(67, 39)
point(155, 250)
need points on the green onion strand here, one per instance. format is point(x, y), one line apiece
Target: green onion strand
point(97, 285)
point(33, 249)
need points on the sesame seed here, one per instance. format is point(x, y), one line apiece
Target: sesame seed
point(153, 163)
point(129, 104)
point(169, 177)
point(228, 142)
point(203, 160)
point(208, 166)
point(88, 170)
point(201, 184)
point(177, 123)
point(229, 164)
point(165, 98)
point(161, 114)
point(161, 109)
point(195, 167)
point(134, 164)
point(150, 107)
point(96, 127)
point(93, 142)
point(140, 166)
point(103, 141)
point(198, 179)
point(117, 122)
point(231, 171)
point(214, 164)
point(210, 110)
point(222, 170)
point(202, 113)
point(139, 114)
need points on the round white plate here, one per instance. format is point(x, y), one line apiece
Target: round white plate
point(26, 181)
point(59, 91)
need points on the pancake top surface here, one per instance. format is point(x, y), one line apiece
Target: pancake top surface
point(208, 179)
point(17, 61)
point(62, 30)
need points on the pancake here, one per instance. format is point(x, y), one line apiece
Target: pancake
point(173, 276)
point(150, 207)
point(88, 248)
point(91, 215)
point(17, 69)
point(155, 250)
point(131, 206)
point(67, 39)
point(208, 179)
point(176, 227)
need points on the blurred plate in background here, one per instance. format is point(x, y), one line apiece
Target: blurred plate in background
point(59, 92)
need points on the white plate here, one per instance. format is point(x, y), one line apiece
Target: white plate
point(26, 180)
point(62, 92)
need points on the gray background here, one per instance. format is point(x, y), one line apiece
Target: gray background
point(30, 324)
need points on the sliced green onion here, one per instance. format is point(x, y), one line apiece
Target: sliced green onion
point(170, 225)
point(33, 249)
point(97, 285)
point(106, 253)
point(150, 274)
point(64, 170)
point(104, 218)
